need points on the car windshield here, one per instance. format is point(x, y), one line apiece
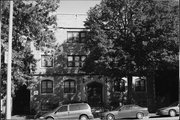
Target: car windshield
point(127, 107)
point(118, 108)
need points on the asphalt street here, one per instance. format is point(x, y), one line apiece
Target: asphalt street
point(151, 117)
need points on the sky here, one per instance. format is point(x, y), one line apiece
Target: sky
point(76, 6)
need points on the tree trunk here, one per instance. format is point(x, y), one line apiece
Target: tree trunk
point(151, 102)
point(129, 94)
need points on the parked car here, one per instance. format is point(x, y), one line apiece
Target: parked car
point(126, 111)
point(81, 111)
point(171, 110)
point(97, 111)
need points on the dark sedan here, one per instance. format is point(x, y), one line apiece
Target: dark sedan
point(126, 111)
point(171, 110)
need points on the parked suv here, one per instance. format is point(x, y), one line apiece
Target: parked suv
point(76, 111)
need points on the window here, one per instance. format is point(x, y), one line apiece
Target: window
point(76, 60)
point(139, 84)
point(78, 107)
point(119, 85)
point(46, 60)
point(69, 86)
point(82, 37)
point(46, 86)
point(74, 107)
point(76, 36)
point(73, 36)
point(128, 107)
point(62, 109)
point(84, 106)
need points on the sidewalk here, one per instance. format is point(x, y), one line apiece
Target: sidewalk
point(23, 117)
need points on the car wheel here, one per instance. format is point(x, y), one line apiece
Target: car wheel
point(110, 117)
point(172, 113)
point(139, 115)
point(49, 118)
point(83, 117)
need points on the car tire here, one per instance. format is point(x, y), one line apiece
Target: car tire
point(172, 113)
point(139, 115)
point(83, 117)
point(110, 117)
point(49, 118)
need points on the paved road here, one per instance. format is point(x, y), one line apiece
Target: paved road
point(152, 117)
point(155, 118)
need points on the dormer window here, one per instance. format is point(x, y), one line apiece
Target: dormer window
point(76, 36)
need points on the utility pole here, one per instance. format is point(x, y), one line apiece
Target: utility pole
point(0, 55)
point(8, 97)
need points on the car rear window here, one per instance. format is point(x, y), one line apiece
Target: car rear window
point(84, 106)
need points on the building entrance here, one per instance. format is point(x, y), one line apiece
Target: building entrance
point(94, 94)
point(21, 101)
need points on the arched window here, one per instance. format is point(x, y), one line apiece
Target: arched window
point(47, 86)
point(69, 86)
point(139, 85)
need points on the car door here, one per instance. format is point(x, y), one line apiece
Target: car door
point(74, 112)
point(124, 112)
point(61, 113)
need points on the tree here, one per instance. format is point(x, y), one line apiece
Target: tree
point(31, 24)
point(132, 37)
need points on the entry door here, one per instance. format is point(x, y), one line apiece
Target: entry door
point(61, 113)
point(94, 94)
point(21, 102)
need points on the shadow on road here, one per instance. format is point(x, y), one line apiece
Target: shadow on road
point(157, 116)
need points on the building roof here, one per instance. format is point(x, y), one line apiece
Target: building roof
point(71, 20)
